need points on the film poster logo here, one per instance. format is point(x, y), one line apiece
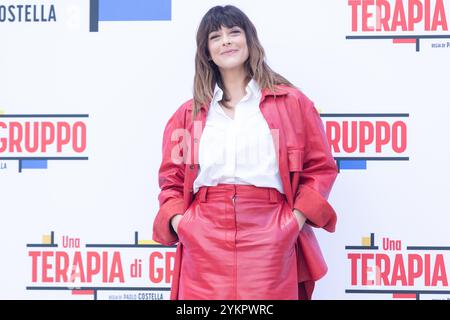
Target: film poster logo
point(69, 268)
point(400, 21)
point(356, 139)
point(35, 139)
point(395, 269)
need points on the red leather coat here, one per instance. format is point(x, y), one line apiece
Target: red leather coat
point(306, 166)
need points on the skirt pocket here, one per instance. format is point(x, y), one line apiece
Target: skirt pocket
point(183, 221)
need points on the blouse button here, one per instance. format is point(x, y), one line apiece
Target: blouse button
point(191, 166)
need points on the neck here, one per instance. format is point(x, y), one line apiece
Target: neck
point(235, 81)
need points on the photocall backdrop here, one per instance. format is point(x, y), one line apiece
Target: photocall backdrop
point(87, 86)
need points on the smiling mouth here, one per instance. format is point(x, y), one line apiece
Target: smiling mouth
point(229, 52)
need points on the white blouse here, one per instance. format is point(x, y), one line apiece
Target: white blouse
point(239, 150)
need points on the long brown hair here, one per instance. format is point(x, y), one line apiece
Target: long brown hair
point(207, 73)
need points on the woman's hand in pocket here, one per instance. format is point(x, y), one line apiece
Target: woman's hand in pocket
point(301, 219)
point(175, 221)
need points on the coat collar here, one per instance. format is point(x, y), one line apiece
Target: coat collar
point(279, 91)
point(251, 89)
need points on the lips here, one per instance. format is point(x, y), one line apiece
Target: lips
point(229, 52)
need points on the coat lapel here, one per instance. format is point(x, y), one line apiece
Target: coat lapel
point(268, 107)
point(195, 130)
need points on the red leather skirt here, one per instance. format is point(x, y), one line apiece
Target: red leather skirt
point(239, 242)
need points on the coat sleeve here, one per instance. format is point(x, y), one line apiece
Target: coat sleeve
point(171, 181)
point(318, 173)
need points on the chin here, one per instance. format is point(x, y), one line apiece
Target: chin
point(226, 66)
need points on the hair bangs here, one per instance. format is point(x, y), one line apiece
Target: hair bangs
point(224, 17)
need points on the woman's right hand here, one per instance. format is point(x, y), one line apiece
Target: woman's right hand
point(175, 221)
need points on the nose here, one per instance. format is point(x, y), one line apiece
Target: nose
point(226, 41)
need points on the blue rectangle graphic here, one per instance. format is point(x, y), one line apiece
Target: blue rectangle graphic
point(34, 164)
point(353, 164)
point(134, 10)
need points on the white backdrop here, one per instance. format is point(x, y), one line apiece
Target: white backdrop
point(128, 78)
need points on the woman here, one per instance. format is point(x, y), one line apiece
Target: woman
point(243, 226)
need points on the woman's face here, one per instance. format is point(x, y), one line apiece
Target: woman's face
point(228, 47)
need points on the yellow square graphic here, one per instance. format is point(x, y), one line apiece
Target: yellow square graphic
point(147, 242)
point(46, 239)
point(365, 241)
